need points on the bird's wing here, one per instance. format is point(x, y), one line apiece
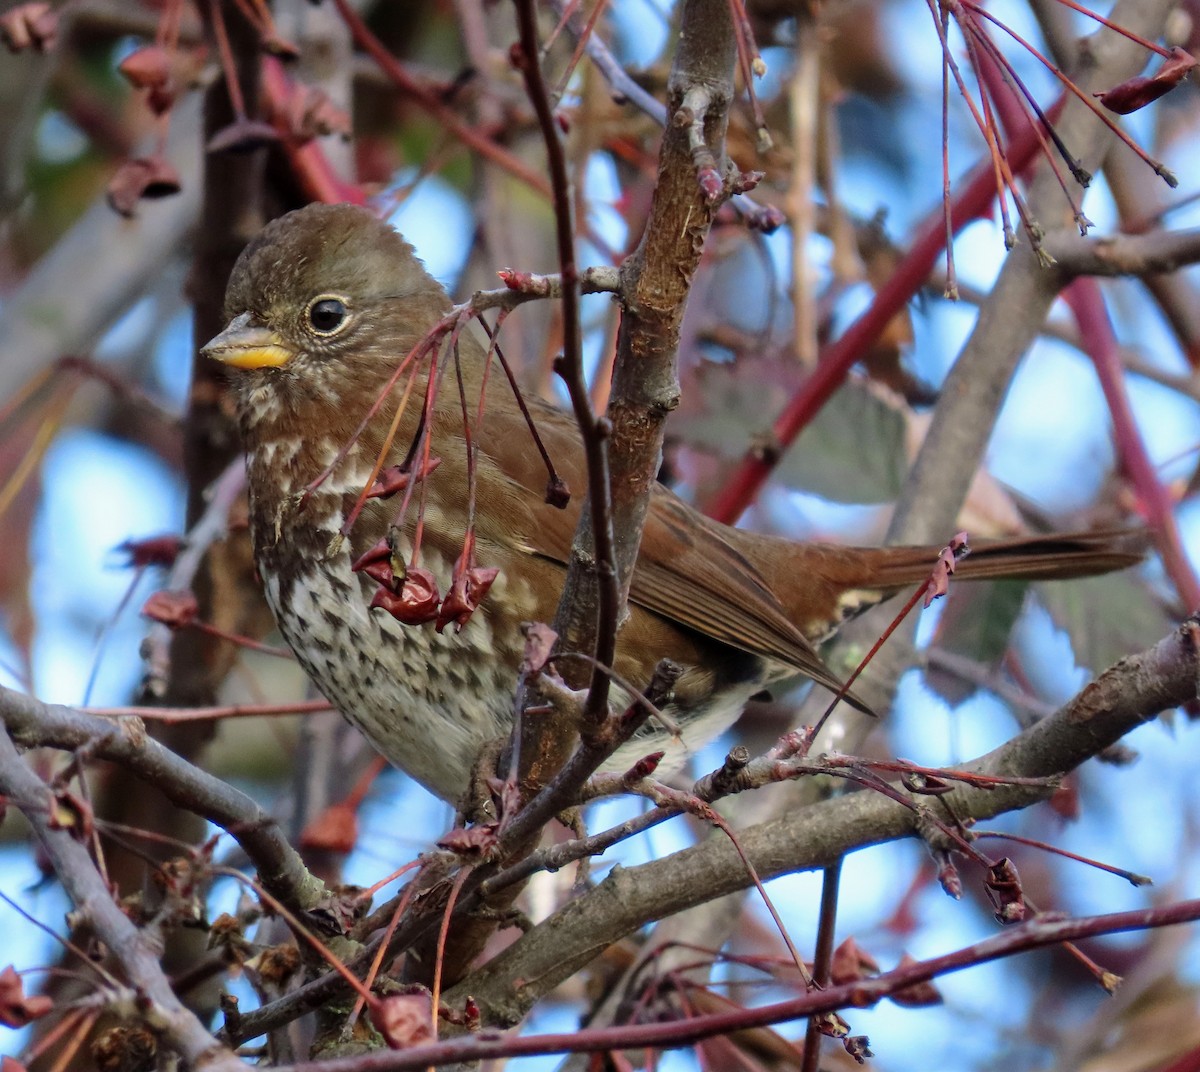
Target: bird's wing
point(686, 570)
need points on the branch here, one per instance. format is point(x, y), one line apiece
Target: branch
point(1148, 254)
point(1037, 934)
point(1130, 693)
point(33, 724)
point(153, 1000)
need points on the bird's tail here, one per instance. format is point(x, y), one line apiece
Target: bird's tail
point(1030, 558)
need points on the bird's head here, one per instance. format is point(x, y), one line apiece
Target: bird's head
point(325, 298)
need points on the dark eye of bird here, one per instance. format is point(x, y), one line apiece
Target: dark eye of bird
point(326, 315)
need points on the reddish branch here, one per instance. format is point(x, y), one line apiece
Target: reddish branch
point(1087, 303)
point(746, 481)
point(863, 993)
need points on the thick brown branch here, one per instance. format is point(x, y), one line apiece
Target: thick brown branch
point(137, 954)
point(32, 723)
point(1133, 691)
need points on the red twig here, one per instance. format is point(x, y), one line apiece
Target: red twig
point(429, 101)
point(1087, 304)
point(745, 482)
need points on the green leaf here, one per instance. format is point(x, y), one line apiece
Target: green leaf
point(852, 452)
point(1106, 617)
point(976, 624)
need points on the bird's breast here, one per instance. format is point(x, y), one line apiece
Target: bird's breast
point(428, 701)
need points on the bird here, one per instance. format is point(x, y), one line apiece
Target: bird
point(368, 500)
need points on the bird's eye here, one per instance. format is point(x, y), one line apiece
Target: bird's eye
point(327, 315)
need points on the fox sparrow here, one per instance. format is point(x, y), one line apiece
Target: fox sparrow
point(323, 306)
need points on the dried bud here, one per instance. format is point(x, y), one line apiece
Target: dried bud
point(950, 880)
point(1004, 890)
point(417, 601)
point(477, 840)
point(643, 768)
point(404, 1020)
point(467, 590)
point(149, 178)
point(396, 478)
point(925, 784)
point(125, 1049)
point(17, 1010)
point(858, 1047)
point(919, 994)
point(334, 830)
point(146, 68)
point(851, 963)
point(539, 645)
point(29, 26)
point(711, 185)
point(172, 609)
point(277, 964)
point(1136, 93)
point(71, 813)
point(226, 933)
point(152, 551)
point(766, 220)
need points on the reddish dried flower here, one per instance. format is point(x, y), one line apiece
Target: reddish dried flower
point(831, 1025)
point(1004, 890)
point(396, 478)
point(148, 177)
point(404, 1020)
point(334, 830)
point(417, 600)
point(147, 67)
point(152, 551)
point(1135, 93)
point(939, 580)
point(858, 1047)
point(29, 26)
point(378, 563)
point(309, 113)
point(557, 492)
point(172, 609)
point(161, 99)
point(467, 590)
point(477, 840)
point(850, 963)
point(73, 814)
point(17, 1010)
point(919, 994)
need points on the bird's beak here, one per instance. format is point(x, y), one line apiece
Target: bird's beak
point(246, 345)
